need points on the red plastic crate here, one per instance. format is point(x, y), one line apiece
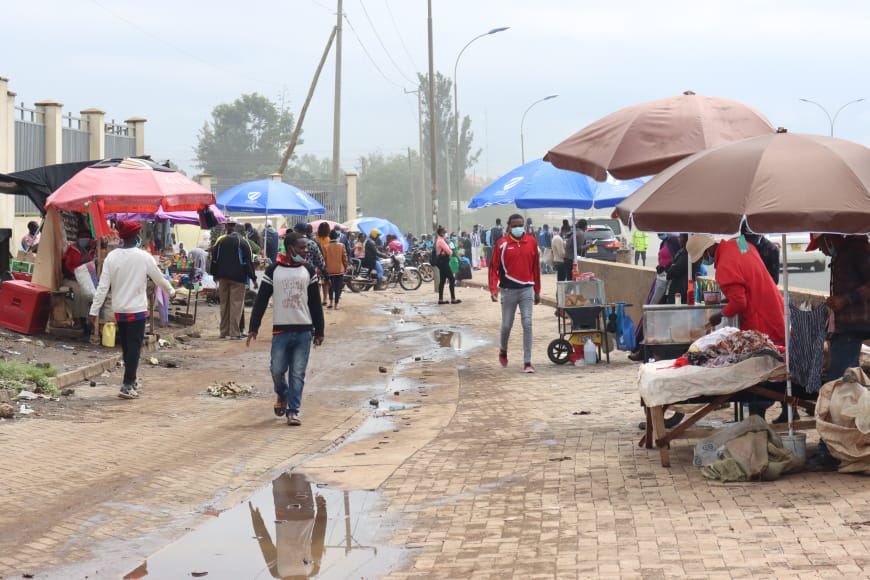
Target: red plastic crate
point(24, 307)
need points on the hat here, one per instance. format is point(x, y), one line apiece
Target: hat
point(697, 244)
point(374, 233)
point(814, 242)
point(128, 229)
point(300, 227)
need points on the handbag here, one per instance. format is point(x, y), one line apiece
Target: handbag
point(86, 276)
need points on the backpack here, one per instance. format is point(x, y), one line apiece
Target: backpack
point(495, 234)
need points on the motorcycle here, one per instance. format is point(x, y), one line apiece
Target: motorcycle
point(419, 258)
point(396, 272)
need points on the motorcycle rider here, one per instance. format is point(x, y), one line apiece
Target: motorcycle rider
point(373, 253)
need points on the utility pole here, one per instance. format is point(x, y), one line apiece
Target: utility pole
point(420, 214)
point(296, 130)
point(336, 115)
point(432, 151)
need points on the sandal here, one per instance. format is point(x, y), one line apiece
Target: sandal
point(279, 407)
point(443, 302)
point(456, 302)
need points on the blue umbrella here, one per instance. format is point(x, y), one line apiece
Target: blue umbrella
point(268, 196)
point(367, 224)
point(538, 184)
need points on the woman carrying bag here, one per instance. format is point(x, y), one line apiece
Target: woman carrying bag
point(443, 253)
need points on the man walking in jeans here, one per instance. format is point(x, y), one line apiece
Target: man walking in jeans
point(516, 271)
point(125, 271)
point(297, 315)
point(232, 266)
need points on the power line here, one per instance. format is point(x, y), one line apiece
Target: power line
point(178, 48)
point(381, 42)
point(399, 34)
point(369, 56)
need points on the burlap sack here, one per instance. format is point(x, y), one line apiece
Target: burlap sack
point(843, 406)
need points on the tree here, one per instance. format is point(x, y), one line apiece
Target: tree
point(445, 119)
point(244, 140)
point(386, 188)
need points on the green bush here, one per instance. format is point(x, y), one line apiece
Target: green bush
point(21, 376)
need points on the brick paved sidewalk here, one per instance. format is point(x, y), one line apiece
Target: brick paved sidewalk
point(519, 486)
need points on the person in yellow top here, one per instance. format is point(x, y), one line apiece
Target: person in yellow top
point(640, 242)
point(322, 238)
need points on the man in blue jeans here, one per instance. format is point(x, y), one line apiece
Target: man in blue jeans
point(297, 316)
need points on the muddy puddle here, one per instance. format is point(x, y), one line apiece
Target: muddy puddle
point(291, 528)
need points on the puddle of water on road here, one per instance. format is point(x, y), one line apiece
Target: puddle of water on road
point(448, 338)
point(289, 528)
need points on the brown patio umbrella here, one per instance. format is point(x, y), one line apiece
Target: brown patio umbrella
point(646, 138)
point(779, 183)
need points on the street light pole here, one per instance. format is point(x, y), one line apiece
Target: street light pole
point(457, 121)
point(432, 152)
point(831, 120)
point(523, 120)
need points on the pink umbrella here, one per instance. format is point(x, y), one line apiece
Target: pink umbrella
point(332, 225)
point(131, 185)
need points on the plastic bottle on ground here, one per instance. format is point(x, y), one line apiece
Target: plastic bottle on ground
point(590, 353)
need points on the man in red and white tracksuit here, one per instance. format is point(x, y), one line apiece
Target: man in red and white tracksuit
point(516, 270)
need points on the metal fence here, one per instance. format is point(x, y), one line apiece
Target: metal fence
point(29, 149)
point(76, 139)
point(120, 140)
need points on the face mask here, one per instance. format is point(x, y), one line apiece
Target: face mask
point(663, 237)
point(517, 232)
point(138, 242)
point(832, 251)
point(84, 242)
point(298, 259)
point(708, 261)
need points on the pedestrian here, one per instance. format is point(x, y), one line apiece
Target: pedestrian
point(516, 272)
point(297, 322)
point(323, 240)
point(31, 238)
point(314, 256)
point(743, 278)
point(443, 253)
point(545, 244)
point(336, 265)
point(578, 234)
point(252, 235)
point(270, 241)
point(359, 247)
point(558, 247)
point(494, 234)
point(476, 244)
point(126, 270)
point(640, 242)
point(768, 251)
point(79, 253)
point(232, 266)
point(677, 273)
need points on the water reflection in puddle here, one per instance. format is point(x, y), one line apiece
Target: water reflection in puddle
point(448, 339)
point(291, 528)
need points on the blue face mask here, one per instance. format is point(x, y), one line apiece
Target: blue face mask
point(298, 259)
point(517, 232)
point(138, 242)
point(708, 261)
point(663, 237)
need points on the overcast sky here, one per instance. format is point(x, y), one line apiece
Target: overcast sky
point(173, 62)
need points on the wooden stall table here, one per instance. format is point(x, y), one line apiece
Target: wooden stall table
point(662, 386)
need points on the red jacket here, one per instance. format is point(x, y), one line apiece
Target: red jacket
point(750, 290)
point(519, 261)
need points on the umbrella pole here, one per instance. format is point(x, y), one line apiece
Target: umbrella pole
point(787, 315)
point(574, 237)
point(265, 237)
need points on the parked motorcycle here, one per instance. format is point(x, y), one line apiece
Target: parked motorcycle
point(396, 272)
point(419, 258)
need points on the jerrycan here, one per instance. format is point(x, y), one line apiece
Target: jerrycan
point(590, 352)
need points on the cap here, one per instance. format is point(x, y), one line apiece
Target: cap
point(128, 229)
point(697, 244)
point(374, 233)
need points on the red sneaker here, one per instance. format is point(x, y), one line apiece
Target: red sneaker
point(502, 358)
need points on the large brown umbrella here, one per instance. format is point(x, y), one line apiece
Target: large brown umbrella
point(646, 138)
point(780, 183)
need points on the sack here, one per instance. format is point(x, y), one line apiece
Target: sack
point(843, 420)
point(86, 276)
point(625, 337)
point(109, 330)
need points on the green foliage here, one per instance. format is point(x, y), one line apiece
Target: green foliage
point(22, 376)
point(388, 188)
point(245, 139)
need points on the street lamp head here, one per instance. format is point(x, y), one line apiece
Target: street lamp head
point(553, 96)
point(499, 29)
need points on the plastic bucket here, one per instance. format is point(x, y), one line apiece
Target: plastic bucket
point(797, 443)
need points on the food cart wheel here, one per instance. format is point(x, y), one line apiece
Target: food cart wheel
point(558, 351)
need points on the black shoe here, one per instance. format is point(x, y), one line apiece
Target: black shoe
point(636, 356)
point(822, 462)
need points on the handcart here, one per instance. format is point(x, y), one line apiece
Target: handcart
point(580, 315)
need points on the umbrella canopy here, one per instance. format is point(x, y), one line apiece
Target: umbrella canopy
point(176, 217)
point(367, 224)
point(267, 196)
point(538, 184)
point(130, 185)
point(332, 225)
point(646, 138)
point(780, 183)
point(39, 183)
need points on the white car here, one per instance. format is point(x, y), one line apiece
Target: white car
point(796, 251)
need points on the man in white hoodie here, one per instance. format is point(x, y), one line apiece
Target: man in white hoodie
point(126, 271)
